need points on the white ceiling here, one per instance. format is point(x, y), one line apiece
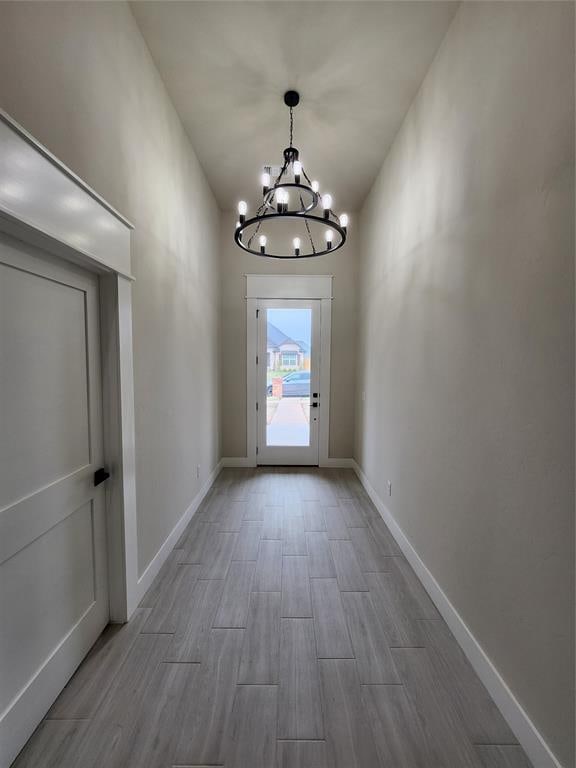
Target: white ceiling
point(357, 66)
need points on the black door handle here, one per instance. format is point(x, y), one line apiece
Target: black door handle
point(100, 475)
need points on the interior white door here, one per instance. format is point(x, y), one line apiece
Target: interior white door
point(53, 580)
point(288, 381)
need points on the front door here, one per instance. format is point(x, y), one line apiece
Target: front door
point(53, 585)
point(288, 380)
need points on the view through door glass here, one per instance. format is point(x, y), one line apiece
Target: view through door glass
point(288, 352)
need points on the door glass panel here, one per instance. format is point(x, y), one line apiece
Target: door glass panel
point(288, 348)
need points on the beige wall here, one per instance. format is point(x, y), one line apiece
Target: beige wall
point(79, 77)
point(235, 264)
point(466, 337)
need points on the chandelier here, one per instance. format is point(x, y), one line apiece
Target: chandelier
point(314, 228)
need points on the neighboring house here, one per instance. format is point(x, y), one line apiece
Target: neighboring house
point(284, 353)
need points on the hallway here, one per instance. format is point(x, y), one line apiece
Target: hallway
point(285, 629)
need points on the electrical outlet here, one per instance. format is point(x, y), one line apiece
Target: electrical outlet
point(389, 487)
point(198, 470)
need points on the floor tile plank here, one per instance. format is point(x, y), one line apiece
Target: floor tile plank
point(86, 688)
point(235, 600)
point(233, 515)
point(400, 740)
point(368, 553)
point(301, 754)
point(295, 602)
point(167, 613)
point(331, 630)
point(293, 534)
point(314, 516)
point(321, 565)
point(374, 661)
point(247, 541)
point(348, 571)
point(504, 756)
point(272, 528)
point(259, 663)
point(189, 642)
point(219, 549)
point(54, 744)
point(268, 575)
point(299, 705)
point(208, 704)
point(196, 548)
point(348, 732)
point(352, 513)
point(482, 719)
point(448, 742)
point(398, 614)
point(252, 741)
point(336, 523)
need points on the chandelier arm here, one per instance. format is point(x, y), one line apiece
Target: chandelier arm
point(308, 229)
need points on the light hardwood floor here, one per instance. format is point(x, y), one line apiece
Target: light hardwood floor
point(286, 630)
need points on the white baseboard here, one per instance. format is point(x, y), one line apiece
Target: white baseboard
point(237, 461)
point(524, 729)
point(338, 463)
point(152, 569)
point(242, 461)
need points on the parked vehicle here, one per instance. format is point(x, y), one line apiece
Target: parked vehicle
point(295, 384)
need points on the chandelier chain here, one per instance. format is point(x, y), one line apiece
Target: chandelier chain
point(291, 126)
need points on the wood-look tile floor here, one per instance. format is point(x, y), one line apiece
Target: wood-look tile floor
point(286, 630)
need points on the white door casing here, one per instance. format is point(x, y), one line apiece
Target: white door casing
point(53, 569)
point(293, 287)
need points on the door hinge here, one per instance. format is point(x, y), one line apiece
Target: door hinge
point(256, 450)
point(256, 359)
point(257, 313)
point(256, 406)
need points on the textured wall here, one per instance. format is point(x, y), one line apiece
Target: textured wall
point(79, 77)
point(466, 354)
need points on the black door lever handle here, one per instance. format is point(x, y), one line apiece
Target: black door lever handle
point(100, 475)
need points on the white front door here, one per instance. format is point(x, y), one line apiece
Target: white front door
point(288, 380)
point(53, 583)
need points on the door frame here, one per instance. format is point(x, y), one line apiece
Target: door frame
point(69, 220)
point(260, 287)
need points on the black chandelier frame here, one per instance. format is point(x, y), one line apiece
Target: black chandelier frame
point(270, 209)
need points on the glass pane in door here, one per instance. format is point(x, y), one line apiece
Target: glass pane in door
point(288, 351)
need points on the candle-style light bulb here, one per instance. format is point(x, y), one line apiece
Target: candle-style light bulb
point(286, 200)
point(344, 220)
point(265, 182)
point(242, 210)
point(296, 244)
point(326, 204)
point(315, 187)
point(262, 243)
point(279, 200)
point(329, 235)
point(297, 171)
